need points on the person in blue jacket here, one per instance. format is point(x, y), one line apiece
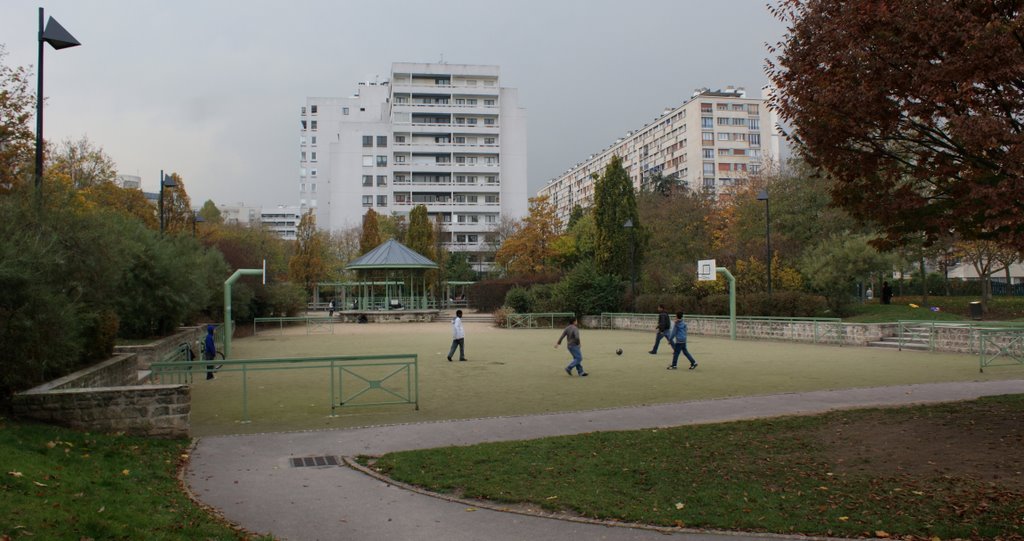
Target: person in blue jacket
point(678, 339)
point(209, 350)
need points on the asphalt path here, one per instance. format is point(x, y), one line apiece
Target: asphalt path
point(250, 479)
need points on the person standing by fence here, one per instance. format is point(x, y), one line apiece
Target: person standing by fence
point(209, 350)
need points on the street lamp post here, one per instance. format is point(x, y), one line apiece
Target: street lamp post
point(167, 182)
point(196, 218)
point(763, 196)
point(632, 260)
point(58, 38)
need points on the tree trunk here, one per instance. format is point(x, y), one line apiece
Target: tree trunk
point(924, 285)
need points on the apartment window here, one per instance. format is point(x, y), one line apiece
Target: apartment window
point(460, 159)
point(367, 161)
point(460, 101)
point(471, 179)
point(471, 121)
point(705, 107)
point(460, 179)
point(344, 110)
point(752, 109)
point(754, 139)
point(312, 188)
point(470, 82)
point(401, 99)
point(399, 178)
point(491, 160)
point(382, 180)
point(489, 121)
point(754, 123)
point(367, 141)
point(303, 110)
point(492, 179)
point(738, 107)
point(367, 180)
point(709, 168)
point(443, 82)
point(303, 124)
point(722, 106)
point(399, 158)
point(382, 141)
point(707, 136)
point(489, 140)
point(312, 125)
point(382, 161)
point(313, 156)
point(739, 122)
point(754, 168)
point(312, 172)
point(723, 136)
point(367, 200)
point(722, 121)
point(709, 182)
point(399, 138)
point(491, 199)
point(382, 200)
point(709, 153)
point(488, 102)
point(471, 101)
point(460, 140)
point(314, 139)
point(460, 120)
point(312, 109)
point(490, 218)
point(302, 156)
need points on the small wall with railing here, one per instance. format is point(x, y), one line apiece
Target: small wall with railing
point(116, 395)
point(811, 330)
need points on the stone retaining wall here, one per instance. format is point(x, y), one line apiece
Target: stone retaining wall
point(148, 410)
point(115, 395)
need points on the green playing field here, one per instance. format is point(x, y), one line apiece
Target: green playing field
point(514, 372)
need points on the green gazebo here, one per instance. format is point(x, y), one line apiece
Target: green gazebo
point(391, 276)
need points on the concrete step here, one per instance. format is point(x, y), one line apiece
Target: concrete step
point(896, 345)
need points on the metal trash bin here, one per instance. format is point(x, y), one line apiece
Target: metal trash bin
point(975, 310)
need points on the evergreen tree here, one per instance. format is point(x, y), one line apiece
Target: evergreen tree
point(619, 249)
point(370, 238)
point(421, 233)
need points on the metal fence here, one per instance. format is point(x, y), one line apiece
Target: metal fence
point(354, 380)
point(929, 332)
point(808, 329)
point(314, 324)
point(537, 320)
point(1000, 347)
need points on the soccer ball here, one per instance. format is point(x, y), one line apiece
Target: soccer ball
point(618, 351)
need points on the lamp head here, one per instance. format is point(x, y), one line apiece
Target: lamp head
point(762, 195)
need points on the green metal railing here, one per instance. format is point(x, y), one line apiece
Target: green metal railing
point(355, 380)
point(996, 345)
point(824, 329)
point(313, 323)
point(534, 320)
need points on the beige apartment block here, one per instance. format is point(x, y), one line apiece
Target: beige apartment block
point(712, 142)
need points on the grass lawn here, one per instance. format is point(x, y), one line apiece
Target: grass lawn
point(945, 471)
point(514, 372)
point(63, 484)
point(950, 309)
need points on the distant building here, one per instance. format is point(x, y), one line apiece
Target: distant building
point(282, 221)
point(446, 136)
point(239, 214)
point(711, 142)
point(131, 182)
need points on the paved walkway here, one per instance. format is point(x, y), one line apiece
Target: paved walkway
point(250, 478)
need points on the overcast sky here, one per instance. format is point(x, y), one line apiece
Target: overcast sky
point(212, 89)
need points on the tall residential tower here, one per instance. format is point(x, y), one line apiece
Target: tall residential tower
point(447, 136)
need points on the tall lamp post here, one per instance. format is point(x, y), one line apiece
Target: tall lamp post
point(165, 182)
point(763, 196)
point(196, 218)
point(58, 38)
point(632, 260)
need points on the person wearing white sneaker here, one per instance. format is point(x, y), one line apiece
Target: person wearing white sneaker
point(677, 338)
point(571, 334)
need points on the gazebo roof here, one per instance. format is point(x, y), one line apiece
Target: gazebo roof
point(391, 255)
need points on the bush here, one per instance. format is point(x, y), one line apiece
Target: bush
point(519, 299)
point(501, 316)
point(586, 291)
point(489, 295)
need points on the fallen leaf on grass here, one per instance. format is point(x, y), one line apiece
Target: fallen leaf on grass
point(14, 473)
point(125, 472)
point(38, 484)
point(680, 505)
point(844, 519)
point(881, 533)
point(470, 509)
point(551, 498)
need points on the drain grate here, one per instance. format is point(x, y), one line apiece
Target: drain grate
point(310, 461)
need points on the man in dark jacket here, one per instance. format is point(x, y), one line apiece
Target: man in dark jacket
point(662, 329)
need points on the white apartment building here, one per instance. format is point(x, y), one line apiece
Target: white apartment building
point(447, 136)
point(283, 221)
point(712, 141)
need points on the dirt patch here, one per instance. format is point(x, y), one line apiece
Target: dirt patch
point(973, 440)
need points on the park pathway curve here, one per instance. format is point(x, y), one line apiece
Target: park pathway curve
point(250, 479)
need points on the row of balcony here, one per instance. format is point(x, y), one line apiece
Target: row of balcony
point(450, 182)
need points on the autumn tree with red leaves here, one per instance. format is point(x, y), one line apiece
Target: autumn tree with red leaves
point(915, 107)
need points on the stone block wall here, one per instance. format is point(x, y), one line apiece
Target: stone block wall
point(115, 395)
point(148, 410)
